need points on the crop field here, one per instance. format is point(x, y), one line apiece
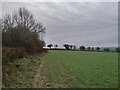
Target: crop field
point(80, 69)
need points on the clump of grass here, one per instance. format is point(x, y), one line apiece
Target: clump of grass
point(20, 73)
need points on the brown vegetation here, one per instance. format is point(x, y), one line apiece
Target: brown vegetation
point(20, 38)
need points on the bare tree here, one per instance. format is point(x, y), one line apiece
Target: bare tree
point(74, 47)
point(117, 49)
point(67, 47)
point(22, 18)
point(55, 46)
point(98, 49)
point(1, 26)
point(82, 48)
point(50, 45)
point(71, 46)
point(20, 29)
point(92, 48)
point(88, 48)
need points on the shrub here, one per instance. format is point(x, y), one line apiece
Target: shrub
point(45, 50)
point(9, 54)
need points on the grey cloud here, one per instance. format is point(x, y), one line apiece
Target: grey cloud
point(0, 10)
point(90, 24)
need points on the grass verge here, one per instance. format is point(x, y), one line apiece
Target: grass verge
point(20, 73)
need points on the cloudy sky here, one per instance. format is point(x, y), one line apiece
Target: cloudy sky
point(77, 23)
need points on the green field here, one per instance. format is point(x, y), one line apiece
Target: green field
point(79, 69)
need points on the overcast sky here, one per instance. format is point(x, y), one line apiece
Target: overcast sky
point(77, 23)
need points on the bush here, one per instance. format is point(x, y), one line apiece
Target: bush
point(9, 54)
point(17, 32)
point(45, 50)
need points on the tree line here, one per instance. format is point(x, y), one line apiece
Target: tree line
point(82, 48)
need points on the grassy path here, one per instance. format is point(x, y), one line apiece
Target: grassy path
point(39, 80)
